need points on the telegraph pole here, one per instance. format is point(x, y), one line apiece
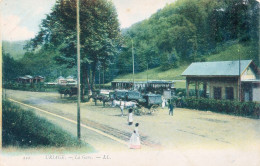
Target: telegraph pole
point(133, 57)
point(239, 74)
point(1, 73)
point(78, 66)
point(147, 72)
point(98, 68)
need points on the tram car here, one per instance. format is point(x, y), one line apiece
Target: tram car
point(153, 86)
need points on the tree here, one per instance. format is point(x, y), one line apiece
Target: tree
point(191, 29)
point(11, 68)
point(99, 35)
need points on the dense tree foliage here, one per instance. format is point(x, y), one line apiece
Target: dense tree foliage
point(189, 30)
point(99, 35)
point(35, 64)
point(11, 68)
point(42, 63)
point(181, 32)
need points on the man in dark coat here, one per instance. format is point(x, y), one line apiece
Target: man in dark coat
point(171, 107)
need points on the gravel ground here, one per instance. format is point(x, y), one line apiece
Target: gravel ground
point(196, 136)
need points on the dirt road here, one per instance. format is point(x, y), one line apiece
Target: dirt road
point(191, 134)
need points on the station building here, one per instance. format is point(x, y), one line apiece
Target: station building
point(231, 80)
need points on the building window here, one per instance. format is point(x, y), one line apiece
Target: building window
point(229, 93)
point(217, 93)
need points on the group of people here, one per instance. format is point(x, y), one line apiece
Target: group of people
point(134, 142)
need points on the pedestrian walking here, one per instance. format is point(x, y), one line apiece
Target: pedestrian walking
point(171, 107)
point(122, 107)
point(130, 116)
point(95, 98)
point(104, 103)
point(135, 142)
point(163, 103)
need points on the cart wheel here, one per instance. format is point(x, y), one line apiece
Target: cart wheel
point(109, 103)
point(154, 108)
point(143, 110)
point(138, 111)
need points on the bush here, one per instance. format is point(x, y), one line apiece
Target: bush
point(64, 90)
point(39, 87)
point(181, 92)
point(24, 128)
point(249, 109)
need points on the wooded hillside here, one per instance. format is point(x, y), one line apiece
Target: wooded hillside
point(173, 37)
point(190, 30)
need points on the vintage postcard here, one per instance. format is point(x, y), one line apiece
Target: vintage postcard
point(117, 82)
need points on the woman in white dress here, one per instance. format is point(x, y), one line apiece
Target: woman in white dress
point(122, 107)
point(163, 103)
point(135, 142)
point(130, 116)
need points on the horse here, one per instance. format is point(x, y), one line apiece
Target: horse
point(127, 104)
point(130, 104)
point(116, 103)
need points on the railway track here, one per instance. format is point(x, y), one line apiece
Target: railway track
point(145, 140)
point(122, 135)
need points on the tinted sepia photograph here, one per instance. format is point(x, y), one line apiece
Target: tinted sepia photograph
point(130, 82)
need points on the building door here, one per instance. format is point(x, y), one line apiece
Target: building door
point(256, 94)
point(229, 93)
point(217, 93)
point(247, 96)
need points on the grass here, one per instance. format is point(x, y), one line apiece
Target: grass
point(155, 74)
point(24, 129)
point(229, 51)
point(182, 85)
point(31, 87)
point(233, 52)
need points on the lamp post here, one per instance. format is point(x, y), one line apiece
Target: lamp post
point(239, 77)
point(147, 72)
point(1, 88)
point(133, 57)
point(78, 72)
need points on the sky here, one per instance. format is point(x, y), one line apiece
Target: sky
point(20, 19)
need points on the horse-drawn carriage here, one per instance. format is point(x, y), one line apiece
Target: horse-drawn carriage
point(150, 104)
point(67, 90)
point(142, 104)
point(118, 95)
point(127, 95)
point(134, 96)
point(103, 96)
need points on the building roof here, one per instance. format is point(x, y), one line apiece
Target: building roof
point(118, 90)
point(142, 82)
point(253, 81)
point(60, 77)
point(25, 78)
point(153, 95)
point(38, 77)
point(70, 77)
point(160, 82)
point(28, 76)
point(219, 68)
point(122, 81)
